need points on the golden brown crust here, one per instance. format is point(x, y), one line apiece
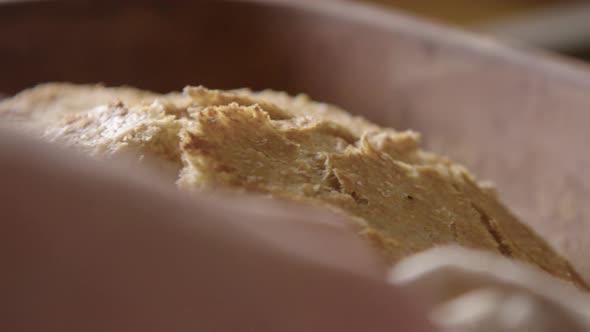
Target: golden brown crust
point(402, 199)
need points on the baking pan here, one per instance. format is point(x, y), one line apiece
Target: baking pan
point(516, 117)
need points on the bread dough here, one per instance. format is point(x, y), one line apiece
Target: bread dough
point(402, 199)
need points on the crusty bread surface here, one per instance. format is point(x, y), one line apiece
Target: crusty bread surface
point(402, 199)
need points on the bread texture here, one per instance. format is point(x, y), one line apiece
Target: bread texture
point(402, 199)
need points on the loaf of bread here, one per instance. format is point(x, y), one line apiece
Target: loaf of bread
point(402, 199)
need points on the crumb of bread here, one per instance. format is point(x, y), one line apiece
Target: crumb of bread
point(402, 199)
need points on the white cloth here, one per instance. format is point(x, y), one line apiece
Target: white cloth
point(473, 291)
